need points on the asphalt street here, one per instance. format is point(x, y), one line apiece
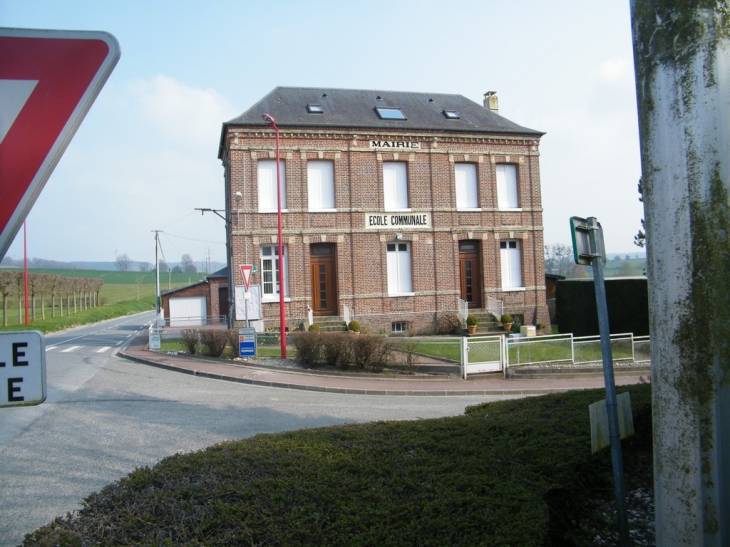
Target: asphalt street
point(106, 416)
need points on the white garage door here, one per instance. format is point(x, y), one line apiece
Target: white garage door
point(188, 311)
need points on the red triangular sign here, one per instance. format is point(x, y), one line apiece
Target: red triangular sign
point(48, 81)
point(246, 273)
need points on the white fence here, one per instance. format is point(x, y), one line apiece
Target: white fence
point(499, 353)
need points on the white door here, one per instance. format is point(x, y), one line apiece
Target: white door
point(187, 311)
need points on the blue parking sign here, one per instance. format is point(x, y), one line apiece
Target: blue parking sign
point(247, 342)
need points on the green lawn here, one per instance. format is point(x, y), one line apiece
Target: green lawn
point(513, 473)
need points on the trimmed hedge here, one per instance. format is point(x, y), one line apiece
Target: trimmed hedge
point(512, 473)
point(627, 300)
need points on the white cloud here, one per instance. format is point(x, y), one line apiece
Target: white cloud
point(615, 69)
point(180, 112)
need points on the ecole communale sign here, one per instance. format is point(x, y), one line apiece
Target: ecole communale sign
point(397, 220)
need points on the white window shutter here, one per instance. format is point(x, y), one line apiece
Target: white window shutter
point(465, 177)
point(395, 185)
point(507, 186)
point(321, 184)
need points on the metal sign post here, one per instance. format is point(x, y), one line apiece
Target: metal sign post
point(588, 249)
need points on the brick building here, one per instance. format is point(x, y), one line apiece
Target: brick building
point(395, 205)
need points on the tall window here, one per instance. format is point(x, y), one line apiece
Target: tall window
point(507, 186)
point(511, 262)
point(399, 268)
point(267, 185)
point(321, 185)
point(395, 185)
point(270, 285)
point(465, 177)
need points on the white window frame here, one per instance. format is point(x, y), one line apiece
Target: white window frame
point(321, 185)
point(270, 272)
point(399, 269)
point(266, 177)
point(395, 186)
point(508, 196)
point(510, 258)
point(466, 187)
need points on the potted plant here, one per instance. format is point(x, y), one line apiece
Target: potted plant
point(354, 326)
point(471, 324)
point(506, 321)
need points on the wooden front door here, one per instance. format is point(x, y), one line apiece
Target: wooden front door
point(324, 279)
point(470, 273)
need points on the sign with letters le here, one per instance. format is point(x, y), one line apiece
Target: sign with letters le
point(22, 368)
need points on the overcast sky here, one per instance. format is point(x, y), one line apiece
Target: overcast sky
point(146, 155)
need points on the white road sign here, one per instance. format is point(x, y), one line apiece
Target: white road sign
point(22, 368)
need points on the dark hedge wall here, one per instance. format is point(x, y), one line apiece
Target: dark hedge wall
point(628, 306)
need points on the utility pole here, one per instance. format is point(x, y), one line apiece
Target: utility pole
point(157, 271)
point(682, 55)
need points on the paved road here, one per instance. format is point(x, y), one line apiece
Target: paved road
point(105, 416)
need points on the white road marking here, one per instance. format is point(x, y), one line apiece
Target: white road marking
point(102, 350)
point(72, 348)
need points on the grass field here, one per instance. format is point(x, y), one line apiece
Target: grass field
point(121, 294)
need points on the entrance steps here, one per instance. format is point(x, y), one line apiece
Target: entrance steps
point(330, 323)
point(488, 324)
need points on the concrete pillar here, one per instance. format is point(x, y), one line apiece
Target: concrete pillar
point(682, 56)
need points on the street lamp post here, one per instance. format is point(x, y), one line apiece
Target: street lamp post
point(282, 316)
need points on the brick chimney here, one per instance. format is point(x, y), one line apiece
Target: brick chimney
point(491, 101)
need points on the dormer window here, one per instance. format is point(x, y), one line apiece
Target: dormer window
point(386, 113)
point(315, 109)
point(452, 114)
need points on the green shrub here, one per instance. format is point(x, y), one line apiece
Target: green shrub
point(354, 326)
point(214, 340)
point(448, 323)
point(190, 340)
point(314, 328)
point(370, 351)
point(308, 346)
point(472, 321)
point(233, 342)
point(506, 319)
point(336, 349)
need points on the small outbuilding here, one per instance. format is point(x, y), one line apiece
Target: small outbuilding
point(202, 303)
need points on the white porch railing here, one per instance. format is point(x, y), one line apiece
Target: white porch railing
point(463, 310)
point(495, 307)
point(348, 314)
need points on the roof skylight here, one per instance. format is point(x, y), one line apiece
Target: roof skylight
point(388, 113)
point(315, 109)
point(452, 114)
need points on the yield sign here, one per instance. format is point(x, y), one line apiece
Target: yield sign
point(48, 81)
point(246, 270)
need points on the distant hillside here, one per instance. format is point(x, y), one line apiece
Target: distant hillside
point(42, 263)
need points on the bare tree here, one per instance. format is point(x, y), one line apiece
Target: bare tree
point(164, 266)
point(558, 259)
point(7, 285)
point(123, 262)
point(188, 265)
point(144, 266)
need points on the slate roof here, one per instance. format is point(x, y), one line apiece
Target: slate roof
point(355, 108)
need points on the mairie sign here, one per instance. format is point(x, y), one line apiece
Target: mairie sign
point(397, 221)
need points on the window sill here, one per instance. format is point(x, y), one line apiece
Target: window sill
point(511, 210)
point(273, 211)
point(397, 210)
point(468, 209)
point(322, 210)
point(514, 289)
point(396, 295)
point(265, 300)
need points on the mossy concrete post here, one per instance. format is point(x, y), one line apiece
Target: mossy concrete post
point(682, 58)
